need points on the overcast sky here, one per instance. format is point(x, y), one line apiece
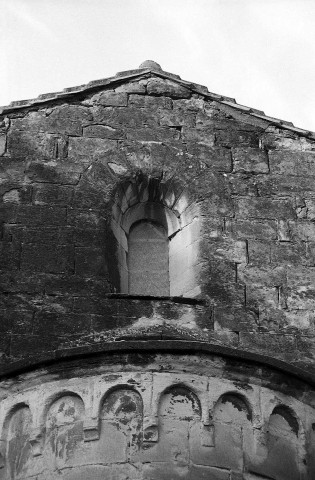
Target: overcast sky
point(261, 52)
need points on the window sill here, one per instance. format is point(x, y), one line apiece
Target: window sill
point(152, 298)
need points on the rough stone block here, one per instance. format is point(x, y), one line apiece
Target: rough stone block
point(284, 185)
point(160, 105)
point(292, 163)
point(52, 195)
point(47, 258)
point(229, 294)
point(111, 99)
point(57, 324)
point(301, 297)
point(10, 253)
point(218, 205)
point(259, 252)
point(237, 138)
point(96, 306)
point(272, 345)
point(293, 322)
point(64, 119)
point(149, 134)
point(268, 275)
point(73, 285)
point(131, 87)
point(250, 160)
point(129, 117)
point(41, 235)
point(3, 141)
point(224, 248)
point(20, 195)
point(32, 145)
point(253, 229)
point(11, 172)
point(33, 215)
point(261, 296)
point(103, 131)
point(26, 346)
point(55, 172)
point(204, 136)
point(177, 119)
point(87, 219)
point(274, 138)
point(235, 319)
point(302, 230)
point(306, 347)
point(16, 321)
point(90, 261)
point(215, 158)
point(159, 86)
point(88, 149)
point(243, 185)
point(264, 208)
point(291, 254)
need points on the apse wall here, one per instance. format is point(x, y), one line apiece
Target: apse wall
point(155, 417)
point(202, 365)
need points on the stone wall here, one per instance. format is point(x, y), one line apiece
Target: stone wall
point(140, 417)
point(242, 188)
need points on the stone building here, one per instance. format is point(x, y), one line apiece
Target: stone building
point(158, 286)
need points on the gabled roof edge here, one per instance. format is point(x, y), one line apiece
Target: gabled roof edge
point(121, 77)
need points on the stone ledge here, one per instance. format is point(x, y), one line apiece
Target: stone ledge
point(155, 343)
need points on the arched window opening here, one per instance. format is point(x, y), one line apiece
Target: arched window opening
point(148, 259)
point(156, 232)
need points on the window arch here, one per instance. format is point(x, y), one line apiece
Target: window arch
point(156, 231)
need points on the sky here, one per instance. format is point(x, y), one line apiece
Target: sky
point(260, 52)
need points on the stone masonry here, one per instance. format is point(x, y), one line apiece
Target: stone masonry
point(211, 377)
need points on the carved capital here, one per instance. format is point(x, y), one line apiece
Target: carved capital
point(37, 441)
point(150, 429)
point(91, 430)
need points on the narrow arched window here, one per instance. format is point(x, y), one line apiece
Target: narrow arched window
point(148, 259)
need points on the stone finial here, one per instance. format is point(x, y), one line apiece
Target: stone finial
point(150, 64)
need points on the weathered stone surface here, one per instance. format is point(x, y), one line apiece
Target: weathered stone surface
point(74, 179)
point(33, 215)
point(130, 88)
point(252, 229)
point(109, 441)
point(165, 87)
point(88, 149)
point(111, 99)
point(68, 173)
point(3, 141)
point(102, 131)
point(47, 258)
point(292, 163)
point(217, 159)
point(264, 208)
point(66, 119)
point(274, 138)
point(250, 160)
